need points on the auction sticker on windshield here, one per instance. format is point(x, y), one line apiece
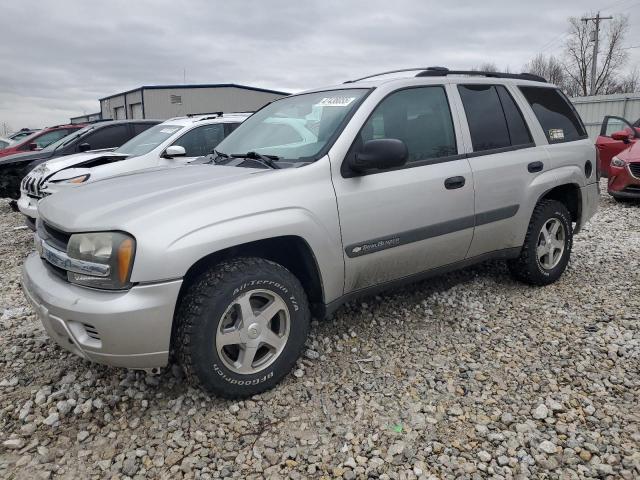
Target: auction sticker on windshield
point(335, 101)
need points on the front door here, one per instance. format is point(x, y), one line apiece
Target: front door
point(609, 147)
point(400, 222)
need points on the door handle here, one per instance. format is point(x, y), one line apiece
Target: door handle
point(452, 183)
point(534, 167)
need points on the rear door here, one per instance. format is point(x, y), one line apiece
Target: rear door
point(503, 153)
point(400, 222)
point(607, 146)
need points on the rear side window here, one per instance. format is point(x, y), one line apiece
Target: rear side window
point(493, 117)
point(420, 117)
point(138, 128)
point(555, 113)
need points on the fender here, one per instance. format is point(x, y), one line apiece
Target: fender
point(190, 247)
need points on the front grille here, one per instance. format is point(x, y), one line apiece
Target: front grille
point(57, 271)
point(635, 169)
point(54, 237)
point(32, 185)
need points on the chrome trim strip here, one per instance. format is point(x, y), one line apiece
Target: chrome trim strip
point(60, 259)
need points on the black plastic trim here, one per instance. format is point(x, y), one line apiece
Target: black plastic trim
point(423, 233)
point(504, 254)
point(499, 150)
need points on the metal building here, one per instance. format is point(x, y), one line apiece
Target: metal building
point(593, 109)
point(89, 117)
point(166, 101)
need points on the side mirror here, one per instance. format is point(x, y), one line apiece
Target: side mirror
point(380, 154)
point(174, 151)
point(622, 136)
point(33, 146)
point(84, 147)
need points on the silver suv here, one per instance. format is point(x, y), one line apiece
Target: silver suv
point(317, 198)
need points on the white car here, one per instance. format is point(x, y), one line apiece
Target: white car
point(174, 142)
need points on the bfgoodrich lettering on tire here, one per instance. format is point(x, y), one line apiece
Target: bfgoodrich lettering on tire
point(547, 245)
point(241, 327)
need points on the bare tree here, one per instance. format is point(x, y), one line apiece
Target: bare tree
point(485, 67)
point(579, 56)
point(548, 67)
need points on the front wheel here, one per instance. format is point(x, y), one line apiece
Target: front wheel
point(241, 327)
point(547, 245)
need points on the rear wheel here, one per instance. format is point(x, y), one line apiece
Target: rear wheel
point(547, 245)
point(242, 326)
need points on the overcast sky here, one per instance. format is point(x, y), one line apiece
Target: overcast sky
point(60, 56)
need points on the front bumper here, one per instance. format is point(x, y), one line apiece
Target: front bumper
point(623, 184)
point(130, 329)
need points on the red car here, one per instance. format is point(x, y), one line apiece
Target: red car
point(619, 154)
point(40, 139)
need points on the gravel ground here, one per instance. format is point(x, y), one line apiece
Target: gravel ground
point(469, 375)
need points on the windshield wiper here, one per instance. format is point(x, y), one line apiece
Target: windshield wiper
point(268, 160)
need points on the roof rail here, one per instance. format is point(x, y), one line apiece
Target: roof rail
point(218, 114)
point(390, 71)
point(443, 72)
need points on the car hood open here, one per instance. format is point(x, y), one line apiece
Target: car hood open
point(25, 157)
point(117, 201)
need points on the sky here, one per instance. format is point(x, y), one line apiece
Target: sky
point(60, 56)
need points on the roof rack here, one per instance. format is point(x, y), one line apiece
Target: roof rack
point(215, 114)
point(443, 72)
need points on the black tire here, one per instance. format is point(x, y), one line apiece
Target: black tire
point(527, 268)
point(202, 309)
point(621, 199)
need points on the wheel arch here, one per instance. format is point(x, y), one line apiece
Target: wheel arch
point(291, 251)
point(570, 196)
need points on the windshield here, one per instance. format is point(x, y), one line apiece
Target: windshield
point(148, 140)
point(295, 128)
point(66, 139)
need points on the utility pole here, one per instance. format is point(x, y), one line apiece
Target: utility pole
point(594, 60)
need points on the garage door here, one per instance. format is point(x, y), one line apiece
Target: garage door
point(136, 110)
point(118, 113)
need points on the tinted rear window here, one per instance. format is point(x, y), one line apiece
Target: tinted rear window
point(555, 113)
point(487, 124)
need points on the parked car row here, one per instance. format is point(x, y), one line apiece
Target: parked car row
point(316, 199)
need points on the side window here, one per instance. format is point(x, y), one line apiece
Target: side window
point(107, 137)
point(518, 130)
point(202, 140)
point(138, 128)
point(50, 137)
point(420, 117)
point(615, 124)
point(487, 122)
point(556, 115)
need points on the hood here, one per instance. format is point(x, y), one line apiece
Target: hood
point(116, 202)
point(77, 159)
point(25, 157)
point(632, 153)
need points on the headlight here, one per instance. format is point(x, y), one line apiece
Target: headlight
point(617, 162)
point(78, 179)
point(115, 249)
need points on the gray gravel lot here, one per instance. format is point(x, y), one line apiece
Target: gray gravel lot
point(469, 375)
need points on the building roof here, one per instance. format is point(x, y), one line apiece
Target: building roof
point(199, 85)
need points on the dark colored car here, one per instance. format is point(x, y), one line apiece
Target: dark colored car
point(40, 139)
point(97, 136)
point(23, 132)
